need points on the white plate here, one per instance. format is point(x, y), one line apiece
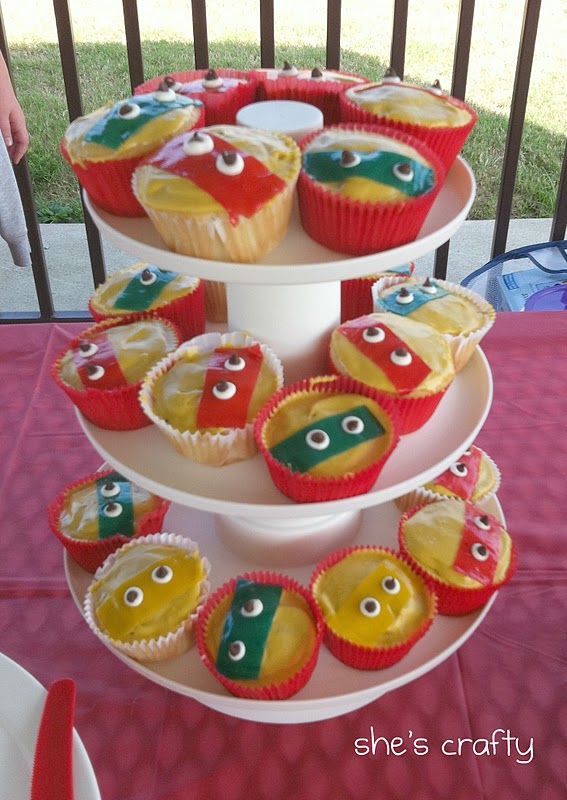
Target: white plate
point(21, 705)
point(334, 689)
point(245, 489)
point(298, 259)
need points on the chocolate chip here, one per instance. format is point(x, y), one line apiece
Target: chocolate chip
point(92, 369)
point(249, 606)
point(131, 596)
point(111, 507)
point(401, 352)
point(347, 158)
point(85, 347)
point(169, 81)
point(390, 73)
point(370, 606)
point(287, 66)
point(222, 386)
point(109, 487)
point(481, 550)
point(436, 84)
point(229, 157)
point(427, 282)
point(234, 648)
point(318, 437)
point(164, 86)
point(372, 331)
point(484, 519)
point(404, 168)
point(125, 108)
point(146, 274)
point(316, 73)
point(390, 584)
point(197, 137)
point(352, 425)
point(234, 360)
point(460, 467)
point(161, 572)
point(211, 75)
point(404, 292)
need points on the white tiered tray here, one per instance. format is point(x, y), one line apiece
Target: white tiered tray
point(334, 688)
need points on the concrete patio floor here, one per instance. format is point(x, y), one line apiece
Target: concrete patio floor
point(68, 263)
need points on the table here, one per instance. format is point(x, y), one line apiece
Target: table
point(147, 743)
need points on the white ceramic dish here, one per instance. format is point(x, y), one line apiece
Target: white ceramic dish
point(334, 688)
point(21, 705)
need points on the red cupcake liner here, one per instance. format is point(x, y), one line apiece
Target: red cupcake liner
point(324, 95)
point(365, 657)
point(187, 313)
point(455, 601)
point(111, 409)
point(90, 554)
point(220, 107)
point(446, 143)
point(357, 228)
point(276, 691)
point(356, 294)
point(305, 488)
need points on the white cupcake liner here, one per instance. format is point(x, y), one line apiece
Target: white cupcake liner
point(462, 345)
point(163, 647)
point(214, 449)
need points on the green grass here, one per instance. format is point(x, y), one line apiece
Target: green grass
point(103, 74)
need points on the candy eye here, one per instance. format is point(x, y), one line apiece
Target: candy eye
point(404, 297)
point(112, 510)
point(235, 363)
point(370, 607)
point(316, 74)
point(373, 335)
point(318, 439)
point(252, 608)
point(212, 80)
point(403, 171)
point(147, 277)
point(162, 574)
point(224, 390)
point(133, 596)
point(467, 453)
point(87, 349)
point(236, 651)
point(483, 523)
point(479, 551)
point(349, 159)
point(164, 93)
point(129, 110)
point(401, 357)
point(428, 287)
point(459, 469)
point(95, 372)
point(391, 585)
point(352, 424)
point(110, 489)
point(230, 163)
point(198, 144)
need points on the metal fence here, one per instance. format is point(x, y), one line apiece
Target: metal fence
point(526, 47)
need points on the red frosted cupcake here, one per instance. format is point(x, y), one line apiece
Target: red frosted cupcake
point(105, 147)
point(101, 370)
point(356, 294)
point(96, 515)
point(259, 635)
point(464, 552)
point(442, 122)
point(375, 605)
point(365, 189)
point(223, 91)
point(327, 437)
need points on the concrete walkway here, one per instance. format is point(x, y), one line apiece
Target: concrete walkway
point(68, 263)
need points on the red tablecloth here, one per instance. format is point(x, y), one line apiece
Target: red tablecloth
point(147, 743)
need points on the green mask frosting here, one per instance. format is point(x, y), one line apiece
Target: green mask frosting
point(379, 166)
point(122, 523)
point(249, 629)
point(138, 295)
point(299, 456)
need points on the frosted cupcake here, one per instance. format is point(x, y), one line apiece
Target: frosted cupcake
point(145, 597)
point(205, 396)
point(259, 635)
point(356, 293)
point(105, 147)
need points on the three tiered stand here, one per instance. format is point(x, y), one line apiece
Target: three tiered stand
point(241, 521)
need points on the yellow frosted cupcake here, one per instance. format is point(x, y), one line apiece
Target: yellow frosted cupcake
point(223, 192)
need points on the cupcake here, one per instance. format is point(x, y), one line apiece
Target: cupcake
point(259, 635)
point(144, 288)
point(356, 293)
point(222, 193)
point(442, 122)
point(325, 438)
point(405, 360)
point(375, 605)
point(105, 147)
point(96, 515)
point(363, 189)
point(205, 396)
point(223, 91)
point(101, 370)
point(145, 597)
point(319, 87)
point(465, 552)
point(462, 316)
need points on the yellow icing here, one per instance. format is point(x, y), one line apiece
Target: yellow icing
point(289, 645)
point(432, 535)
point(402, 102)
point(79, 515)
point(105, 295)
point(422, 339)
point(340, 589)
point(137, 347)
point(164, 191)
point(298, 410)
point(165, 605)
point(177, 392)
